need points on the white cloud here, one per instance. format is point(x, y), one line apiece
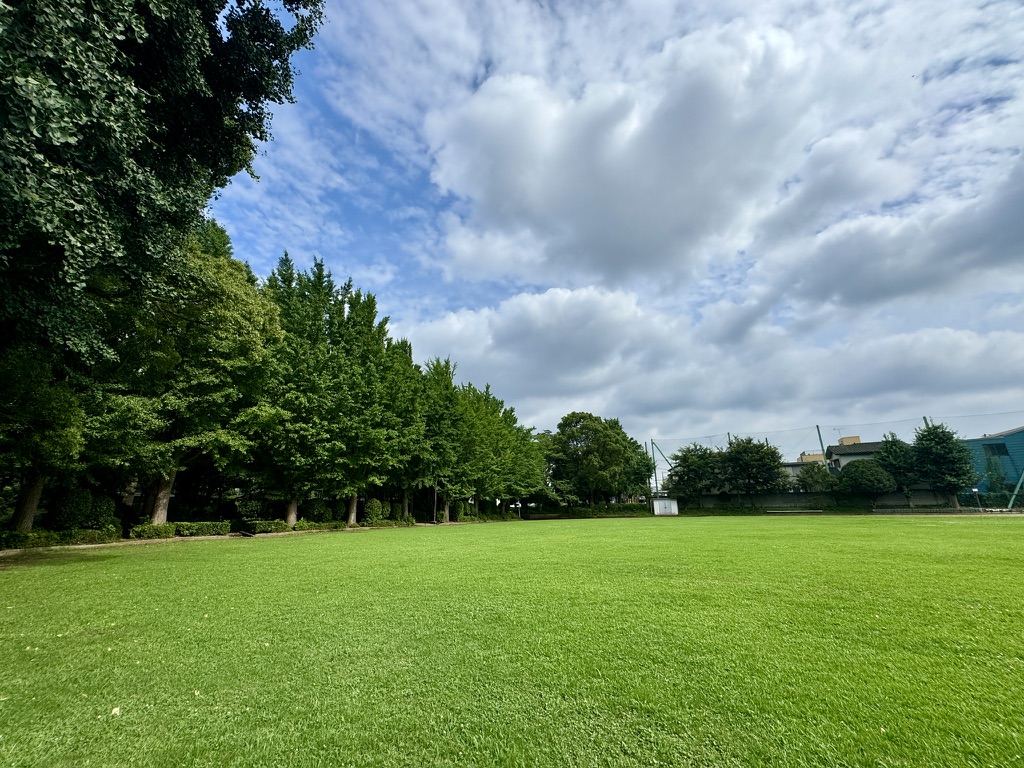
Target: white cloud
point(702, 216)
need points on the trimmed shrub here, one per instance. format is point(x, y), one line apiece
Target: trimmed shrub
point(395, 510)
point(150, 531)
point(202, 529)
point(41, 538)
point(324, 525)
point(374, 512)
point(260, 526)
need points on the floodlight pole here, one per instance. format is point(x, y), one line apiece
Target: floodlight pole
point(1016, 491)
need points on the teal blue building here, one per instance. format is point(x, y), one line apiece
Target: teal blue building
point(1001, 453)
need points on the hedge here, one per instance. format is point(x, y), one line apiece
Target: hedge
point(260, 526)
point(41, 538)
point(149, 531)
point(322, 525)
point(202, 529)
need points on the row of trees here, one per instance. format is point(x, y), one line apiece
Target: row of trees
point(134, 346)
point(936, 460)
point(288, 390)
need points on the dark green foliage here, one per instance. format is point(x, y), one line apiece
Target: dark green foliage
point(325, 525)
point(395, 510)
point(150, 531)
point(603, 510)
point(41, 538)
point(316, 510)
point(899, 460)
point(117, 122)
point(750, 466)
point(866, 477)
point(260, 526)
point(943, 461)
point(460, 510)
point(695, 472)
point(74, 510)
point(374, 512)
point(815, 478)
point(251, 509)
point(592, 459)
point(202, 528)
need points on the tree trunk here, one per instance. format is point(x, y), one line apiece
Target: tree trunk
point(353, 506)
point(291, 512)
point(955, 501)
point(405, 504)
point(910, 497)
point(25, 507)
point(161, 493)
point(447, 511)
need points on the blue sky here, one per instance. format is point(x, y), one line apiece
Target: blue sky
point(699, 217)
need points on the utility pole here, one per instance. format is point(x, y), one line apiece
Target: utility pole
point(821, 442)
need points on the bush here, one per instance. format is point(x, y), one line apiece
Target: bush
point(374, 512)
point(73, 510)
point(260, 526)
point(317, 510)
point(104, 514)
point(202, 529)
point(150, 531)
point(458, 510)
point(40, 538)
point(395, 510)
point(324, 525)
point(865, 477)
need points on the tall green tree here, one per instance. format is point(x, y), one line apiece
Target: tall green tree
point(192, 370)
point(591, 458)
point(117, 122)
point(695, 472)
point(42, 424)
point(371, 428)
point(815, 478)
point(443, 426)
point(898, 458)
point(944, 462)
point(750, 467)
point(299, 440)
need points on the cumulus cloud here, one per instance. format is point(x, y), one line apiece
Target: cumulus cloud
point(702, 216)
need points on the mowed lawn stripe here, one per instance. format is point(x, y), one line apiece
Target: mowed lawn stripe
point(705, 641)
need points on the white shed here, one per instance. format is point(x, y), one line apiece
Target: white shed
point(665, 507)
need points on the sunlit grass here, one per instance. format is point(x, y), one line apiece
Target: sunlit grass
point(710, 641)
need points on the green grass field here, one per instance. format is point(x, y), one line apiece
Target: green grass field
point(825, 641)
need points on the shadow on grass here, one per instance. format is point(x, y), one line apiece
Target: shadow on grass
point(29, 558)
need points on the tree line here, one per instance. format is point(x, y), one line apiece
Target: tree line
point(747, 467)
point(139, 358)
point(288, 393)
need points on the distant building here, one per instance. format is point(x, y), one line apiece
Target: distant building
point(850, 449)
point(811, 458)
point(1002, 452)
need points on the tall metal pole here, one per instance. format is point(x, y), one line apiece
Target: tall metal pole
point(1016, 491)
point(822, 444)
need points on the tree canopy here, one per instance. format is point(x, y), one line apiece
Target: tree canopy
point(591, 458)
point(117, 122)
point(943, 461)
